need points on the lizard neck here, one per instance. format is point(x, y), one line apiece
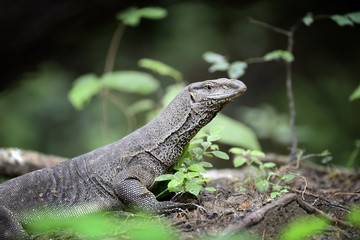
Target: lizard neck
point(176, 126)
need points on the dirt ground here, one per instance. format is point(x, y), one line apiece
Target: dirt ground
point(318, 191)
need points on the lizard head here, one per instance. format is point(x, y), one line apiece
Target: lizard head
point(214, 94)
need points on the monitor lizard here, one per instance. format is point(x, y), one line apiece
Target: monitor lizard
point(120, 174)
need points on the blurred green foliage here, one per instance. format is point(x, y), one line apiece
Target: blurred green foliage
point(302, 228)
point(102, 226)
point(37, 115)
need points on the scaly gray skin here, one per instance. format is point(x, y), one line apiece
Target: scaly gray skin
point(119, 174)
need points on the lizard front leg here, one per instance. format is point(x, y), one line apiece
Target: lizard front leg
point(131, 188)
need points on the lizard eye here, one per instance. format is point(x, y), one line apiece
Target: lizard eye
point(208, 87)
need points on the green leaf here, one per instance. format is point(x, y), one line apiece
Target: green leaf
point(274, 194)
point(214, 133)
point(276, 187)
point(206, 145)
point(355, 94)
point(288, 177)
point(262, 185)
point(164, 177)
point(214, 147)
point(210, 189)
point(257, 153)
point(279, 54)
point(198, 151)
point(133, 15)
point(219, 66)
point(175, 184)
point(205, 164)
point(160, 68)
point(141, 106)
point(212, 57)
point(354, 216)
point(213, 138)
point(235, 133)
point(187, 161)
point(130, 81)
point(191, 174)
point(308, 19)
point(193, 187)
point(84, 88)
point(220, 154)
point(179, 175)
point(241, 189)
point(354, 16)
point(342, 20)
point(269, 165)
point(257, 161)
point(237, 69)
point(303, 228)
point(239, 161)
point(236, 150)
point(197, 168)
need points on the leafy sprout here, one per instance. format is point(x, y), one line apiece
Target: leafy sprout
point(262, 172)
point(188, 172)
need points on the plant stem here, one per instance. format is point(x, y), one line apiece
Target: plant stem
point(104, 114)
point(289, 92)
point(115, 41)
point(130, 118)
point(109, 67)
point(290, 95)
point(161, 193)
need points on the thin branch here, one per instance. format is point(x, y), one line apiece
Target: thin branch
point(115, 41)
point(268, 26)
point(290, 96)
point(289, 92)
point(109, 67)
point(104, 113)
point(130, 118)
point(254, 60)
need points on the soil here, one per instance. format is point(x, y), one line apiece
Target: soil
point(318, 191)
point(315, 191)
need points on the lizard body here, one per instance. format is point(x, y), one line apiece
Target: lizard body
point(118, 174)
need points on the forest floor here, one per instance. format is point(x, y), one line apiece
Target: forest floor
point(321, 192)
point(316, 191)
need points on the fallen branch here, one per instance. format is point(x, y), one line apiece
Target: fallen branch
point(256, 217)
point(15, 162)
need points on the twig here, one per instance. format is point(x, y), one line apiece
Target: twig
point(290, 45)
point(115, 41)
point(104, 113)
point(109, 67)
point(268, 26)
point(130, 118)
point(290, 95)
point(347, 193)
point(311, 208)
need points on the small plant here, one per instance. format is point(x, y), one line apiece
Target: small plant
point(262, 174)
point(188, 172)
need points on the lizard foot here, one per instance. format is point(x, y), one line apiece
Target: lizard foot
point(168, 207)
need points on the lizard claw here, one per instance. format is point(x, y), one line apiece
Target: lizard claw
point(168, 207)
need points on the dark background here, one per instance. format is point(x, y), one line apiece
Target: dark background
point(46, 45)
